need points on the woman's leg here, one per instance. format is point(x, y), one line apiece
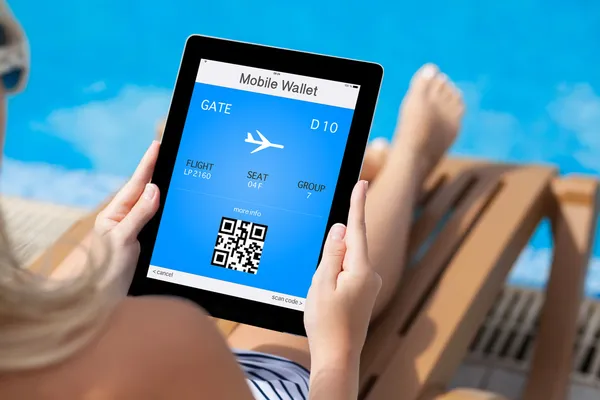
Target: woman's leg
point(429, 121)
point(430, 118)
point(375, 158)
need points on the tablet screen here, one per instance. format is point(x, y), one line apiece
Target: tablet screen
point(248, 202)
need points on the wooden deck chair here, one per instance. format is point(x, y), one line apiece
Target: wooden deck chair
point(445, 296)
point(473, 221)
point(573, 215)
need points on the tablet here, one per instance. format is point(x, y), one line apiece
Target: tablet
point(261, 150)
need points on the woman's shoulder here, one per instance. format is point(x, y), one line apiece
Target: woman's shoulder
point(148, 344)
point(151, 339)
point(140, 323)
point(137, 314)
point(177, 349)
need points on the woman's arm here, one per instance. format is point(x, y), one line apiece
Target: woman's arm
point(335, 380)
point(339, 306)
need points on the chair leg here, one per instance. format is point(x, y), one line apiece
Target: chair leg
point(573, 226)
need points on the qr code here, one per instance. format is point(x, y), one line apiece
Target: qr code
point(239, 245)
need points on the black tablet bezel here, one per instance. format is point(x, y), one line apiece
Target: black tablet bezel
point(367, 75)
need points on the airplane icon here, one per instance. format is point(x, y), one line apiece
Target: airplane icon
point(263, 142)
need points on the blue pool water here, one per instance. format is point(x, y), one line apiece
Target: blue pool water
point(102, 72)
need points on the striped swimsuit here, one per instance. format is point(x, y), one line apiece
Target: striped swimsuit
point(271, 377)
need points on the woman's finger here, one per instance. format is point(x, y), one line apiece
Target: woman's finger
point(142, 175)
point(333, 256)
point(129, 194)
point(128, 229)
point(356, 235)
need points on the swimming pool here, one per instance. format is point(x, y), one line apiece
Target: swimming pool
point(102, 72)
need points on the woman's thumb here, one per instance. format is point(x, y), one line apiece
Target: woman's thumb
point(140, 214)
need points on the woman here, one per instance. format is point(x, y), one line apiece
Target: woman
point(83, 339)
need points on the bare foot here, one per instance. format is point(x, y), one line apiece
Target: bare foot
point(430, 116)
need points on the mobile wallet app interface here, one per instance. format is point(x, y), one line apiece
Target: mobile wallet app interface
point(253, 182)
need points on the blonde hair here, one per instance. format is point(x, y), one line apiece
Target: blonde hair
point(44, 321)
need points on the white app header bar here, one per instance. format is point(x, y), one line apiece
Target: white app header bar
point(280, 84)
point(228, 288)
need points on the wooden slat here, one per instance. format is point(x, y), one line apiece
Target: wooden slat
point(574, 226)
point(447, 170)
point(435, 210)
point(440, 335)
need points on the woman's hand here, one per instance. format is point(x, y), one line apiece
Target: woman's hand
point(341, 299)
point(123, 218)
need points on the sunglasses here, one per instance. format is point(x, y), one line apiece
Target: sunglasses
point(13, 60)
